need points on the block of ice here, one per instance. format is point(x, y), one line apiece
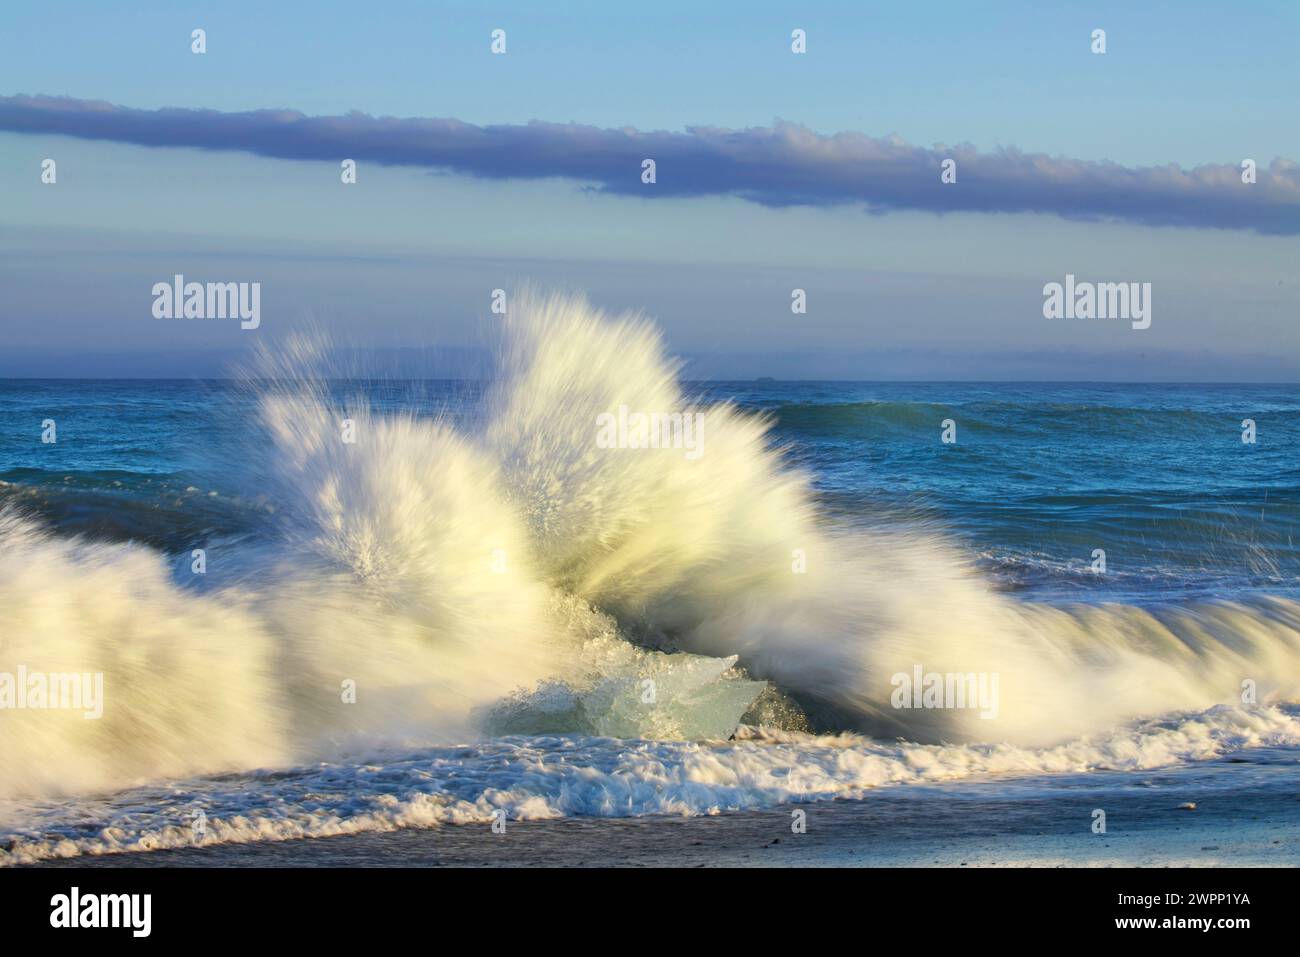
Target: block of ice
point(634, 693)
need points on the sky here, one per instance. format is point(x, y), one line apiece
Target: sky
point(775, 171)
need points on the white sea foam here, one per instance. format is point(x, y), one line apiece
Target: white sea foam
point(552, 776)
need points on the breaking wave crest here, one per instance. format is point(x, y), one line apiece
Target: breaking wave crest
point(515, 577)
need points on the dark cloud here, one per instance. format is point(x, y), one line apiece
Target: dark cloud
point(782, 165)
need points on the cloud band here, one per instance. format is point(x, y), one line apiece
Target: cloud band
point(782, 165)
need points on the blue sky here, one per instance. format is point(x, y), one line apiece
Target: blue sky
point(408, 255)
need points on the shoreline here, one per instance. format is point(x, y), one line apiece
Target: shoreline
point(1037, 823)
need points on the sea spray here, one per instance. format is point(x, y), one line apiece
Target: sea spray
point(404, 584)
point(696, 555)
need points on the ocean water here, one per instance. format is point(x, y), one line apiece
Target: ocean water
point(472, 608)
